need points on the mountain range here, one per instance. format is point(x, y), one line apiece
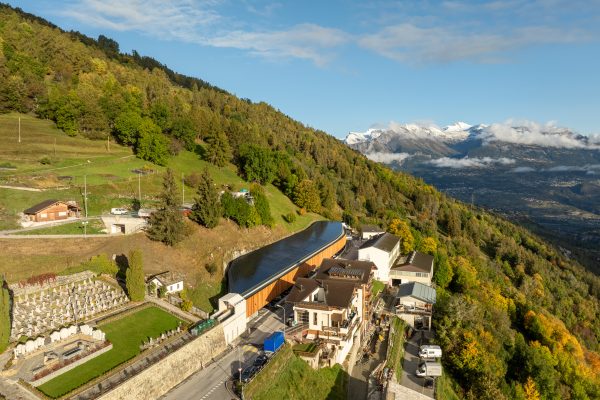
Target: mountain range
point(545, 176)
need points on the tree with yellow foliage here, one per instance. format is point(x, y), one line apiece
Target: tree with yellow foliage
point(400, 228)
point(531, 392)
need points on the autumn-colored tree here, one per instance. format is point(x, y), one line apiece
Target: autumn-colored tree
point(428, 245)
point(401, 229)
point(530, 389)
point(306, 195)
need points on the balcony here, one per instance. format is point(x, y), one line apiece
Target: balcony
point(342, 327)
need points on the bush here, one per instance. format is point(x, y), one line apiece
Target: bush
point(192, 180)
point(290, 217)
point(45, 160)
point(302, 211)
point(211, 268)
point(162, 292)
point(186, 305)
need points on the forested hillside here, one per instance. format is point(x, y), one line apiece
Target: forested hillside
point(515, 318)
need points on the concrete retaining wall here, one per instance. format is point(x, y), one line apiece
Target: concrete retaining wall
point(161, 377)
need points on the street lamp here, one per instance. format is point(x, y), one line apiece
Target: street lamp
point(283, 308)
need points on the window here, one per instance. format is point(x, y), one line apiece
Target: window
point(315, 319)
point(422, 274)
point(44, 215)
point(62, 213)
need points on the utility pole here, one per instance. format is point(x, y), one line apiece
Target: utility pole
point(140, 188)
point(108, 142)
point(85, 205)
point(182, 189)
point(19, 129)
point(283, 308)
point(239, 364)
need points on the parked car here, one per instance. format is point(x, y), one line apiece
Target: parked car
point(430, 351)
point(118, 211)
point(429, 369)
point(260, 361)
point(249, 373)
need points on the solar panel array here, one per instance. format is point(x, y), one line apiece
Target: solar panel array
point(346, 272)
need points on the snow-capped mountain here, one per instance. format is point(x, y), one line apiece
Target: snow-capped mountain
point(528, 141)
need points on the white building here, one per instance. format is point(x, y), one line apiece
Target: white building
point(334, 306)
point(170, 280)
point(232, 316)
point(370, 231)
point(415, 302)
point(382, 250)
point(415, 267)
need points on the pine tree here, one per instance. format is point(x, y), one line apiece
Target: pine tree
point(206, 209)
point(4, 316)
point(134, 277)
point(166, 224)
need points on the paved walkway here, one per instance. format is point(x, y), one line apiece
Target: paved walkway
point(175, 310)
point(358, 382)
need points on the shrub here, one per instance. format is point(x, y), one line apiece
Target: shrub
point(45, 160)
point(290, 217)
point(186, 305)
point(211, 268)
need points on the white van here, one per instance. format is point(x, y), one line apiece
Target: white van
point(429, 369)
point(430, 351)
point(118, 211)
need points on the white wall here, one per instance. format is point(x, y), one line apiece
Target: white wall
point(382, 260)
point(235, 324)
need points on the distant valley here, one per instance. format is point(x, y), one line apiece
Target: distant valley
point(545, 177)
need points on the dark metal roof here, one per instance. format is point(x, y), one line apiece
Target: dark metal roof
point(353, 270)
point(251, 272)
point(385, 242)
point(418, 291)
point(415, 262)
point(371, 228)
point(41, 206)
point(302, 288)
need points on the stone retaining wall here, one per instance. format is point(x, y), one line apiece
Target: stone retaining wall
point(161, 377)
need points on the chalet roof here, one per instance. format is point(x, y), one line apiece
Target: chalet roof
point(385, 242)
point(41, 206)
point(415, 262)
point(167, 278)
point(418, 291)
point(301, 289)
point(350, 270)
point(371, 228)
point(338, 293)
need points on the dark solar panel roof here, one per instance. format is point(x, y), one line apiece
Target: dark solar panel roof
point(251, 272)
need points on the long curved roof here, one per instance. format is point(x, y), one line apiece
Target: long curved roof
point(251, 272)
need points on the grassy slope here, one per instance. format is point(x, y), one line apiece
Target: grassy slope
point(95, 226)
point(111, 183)
point(287, 377)
point(126, 335)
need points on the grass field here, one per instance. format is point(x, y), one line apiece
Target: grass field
point(94, 227)
point(377, 287)
point(109, 175)
point(286, 376)
point(126, 335)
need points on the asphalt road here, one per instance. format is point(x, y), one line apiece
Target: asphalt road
point(209, 383)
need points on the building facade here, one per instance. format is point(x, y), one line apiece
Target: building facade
point(333, 305)
point(382, 250)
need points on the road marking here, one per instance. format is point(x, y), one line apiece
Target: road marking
point(212, 389)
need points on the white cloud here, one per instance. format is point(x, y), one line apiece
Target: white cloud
point(476, 162)
point(306, 41)
point(407, 42)
point(532, 133)
point(200, 22)
point(522, 169)
point(388, 158)
point(574, 168)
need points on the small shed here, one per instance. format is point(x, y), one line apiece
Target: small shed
point(52, 210)
point(170, 280)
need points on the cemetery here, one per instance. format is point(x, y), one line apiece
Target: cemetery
point(61, 301)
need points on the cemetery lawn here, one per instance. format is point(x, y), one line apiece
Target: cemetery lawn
point(126, 335)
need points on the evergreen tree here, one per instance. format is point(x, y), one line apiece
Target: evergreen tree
point(134, 277)
point(206, 209)
point(218, 151)
point(4, 315)
point(166, 224)
point(261, 203)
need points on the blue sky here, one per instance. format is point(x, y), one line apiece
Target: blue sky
point(345, 66)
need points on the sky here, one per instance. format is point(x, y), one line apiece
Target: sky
point(343, 66)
